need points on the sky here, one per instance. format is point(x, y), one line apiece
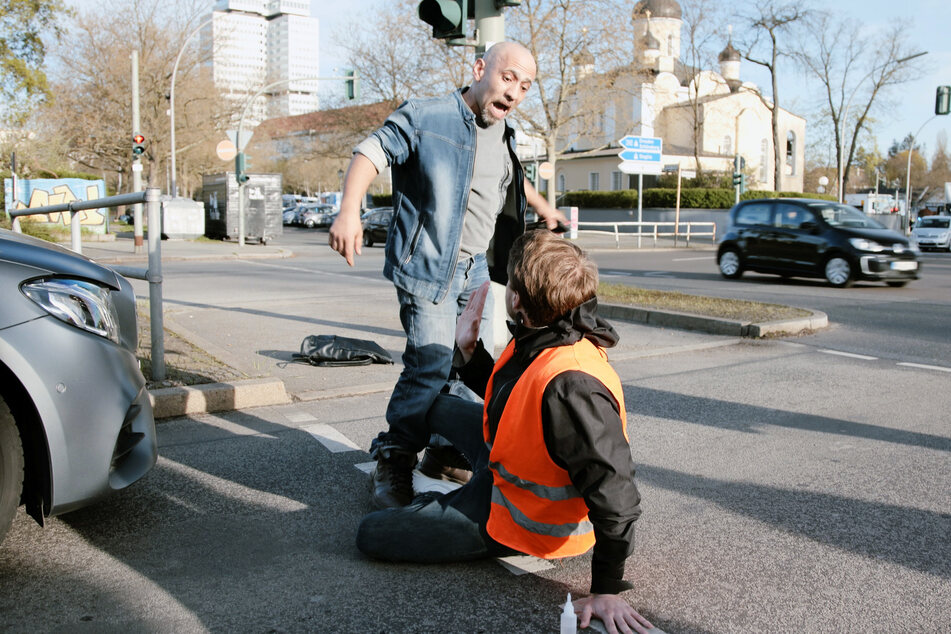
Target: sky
point(930, 22)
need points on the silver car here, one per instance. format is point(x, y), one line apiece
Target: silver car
point(933, 232)
point(75, 416)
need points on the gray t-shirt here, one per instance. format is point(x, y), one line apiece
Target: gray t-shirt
point(491, 177)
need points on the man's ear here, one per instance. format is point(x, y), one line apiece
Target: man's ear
point(478, 69)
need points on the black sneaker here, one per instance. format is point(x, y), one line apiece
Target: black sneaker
point(445, 463)
point(391, 483)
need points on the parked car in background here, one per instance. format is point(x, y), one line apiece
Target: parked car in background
point(312, 215)
point(800, 237)
point(76, 421)
point(290, 216)
point(933, 232)
point(376, 225)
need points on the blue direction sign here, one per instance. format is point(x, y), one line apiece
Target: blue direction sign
point(641, 143)
point(637, 155)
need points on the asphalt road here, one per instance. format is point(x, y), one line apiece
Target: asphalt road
point(786, 487)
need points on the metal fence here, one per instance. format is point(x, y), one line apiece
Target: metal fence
point(674, 230)
point(153, 274)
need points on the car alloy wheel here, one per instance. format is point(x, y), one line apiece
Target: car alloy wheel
point(838, 272)
point(367, 240)
point(730, 264)
point(11, 468)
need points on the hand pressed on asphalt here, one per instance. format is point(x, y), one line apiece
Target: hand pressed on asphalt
point(467, 325)
point(617, 614)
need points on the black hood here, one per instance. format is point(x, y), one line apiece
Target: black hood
point(568, 329)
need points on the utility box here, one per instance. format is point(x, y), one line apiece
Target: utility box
point(182, 218)
point(263, 219)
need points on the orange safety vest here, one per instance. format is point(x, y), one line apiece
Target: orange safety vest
point(535, 508)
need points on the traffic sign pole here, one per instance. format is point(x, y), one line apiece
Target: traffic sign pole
point(641, 155)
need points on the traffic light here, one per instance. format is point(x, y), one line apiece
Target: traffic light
point(737, 179)
point(447, 17)
point(942, 101)
point(138, 144)
point(742, 183)
point(507, 3)
point(530, 171)
point(240, 165)
point(352, 85)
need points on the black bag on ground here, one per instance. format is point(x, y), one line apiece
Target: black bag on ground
point(331, 351)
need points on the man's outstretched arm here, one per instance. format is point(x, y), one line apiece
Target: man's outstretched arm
point(346, 233)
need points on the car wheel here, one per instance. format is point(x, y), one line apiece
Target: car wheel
point(838, 272)
point(310, 224)
point(367, 240)
point(731, 266)
point(11, 468)
point(896, 283)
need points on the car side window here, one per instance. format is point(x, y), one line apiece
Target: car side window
point(791, 216)
point(753, 214)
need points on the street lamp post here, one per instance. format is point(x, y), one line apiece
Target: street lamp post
point(845, 113)
point(171, 102)
point(905, 221)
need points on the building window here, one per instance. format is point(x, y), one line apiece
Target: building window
point(594, 181)
point(670, 45)
point(790, 152)
point(561, 183)
point(728, 145)
point(617, 179)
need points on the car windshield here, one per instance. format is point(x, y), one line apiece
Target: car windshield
point(844, 216)
point(934, 223)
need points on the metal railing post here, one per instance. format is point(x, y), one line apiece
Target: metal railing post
point(75, 233)
point(154, 209)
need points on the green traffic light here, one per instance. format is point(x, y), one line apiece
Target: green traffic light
point(447, 17)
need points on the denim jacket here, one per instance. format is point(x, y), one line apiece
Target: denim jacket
point(430, 147)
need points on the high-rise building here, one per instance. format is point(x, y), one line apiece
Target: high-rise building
point(253, 43)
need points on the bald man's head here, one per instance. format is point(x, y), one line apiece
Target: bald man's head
point(501, 80)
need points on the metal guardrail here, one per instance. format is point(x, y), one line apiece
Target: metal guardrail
point(693, 230)
point(153, 274)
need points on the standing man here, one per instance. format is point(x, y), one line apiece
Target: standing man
point(457, 188)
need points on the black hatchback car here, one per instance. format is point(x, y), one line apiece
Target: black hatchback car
point(376, 225)
point(800, 237)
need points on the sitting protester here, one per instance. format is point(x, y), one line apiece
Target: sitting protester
point(552, 474)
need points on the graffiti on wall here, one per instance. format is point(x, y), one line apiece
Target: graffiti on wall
point(39, 192)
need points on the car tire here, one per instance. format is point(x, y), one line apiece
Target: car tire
point(11, 468)
point(310, 224)
point(838, 272)
point(367, 240)
point(730, 263)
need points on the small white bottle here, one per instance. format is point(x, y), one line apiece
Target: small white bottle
point(569, 622)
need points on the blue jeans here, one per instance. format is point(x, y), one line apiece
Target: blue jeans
point(430, 338)
point(441, 528)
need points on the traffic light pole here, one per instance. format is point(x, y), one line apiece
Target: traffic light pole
point(490, 25)
point(138, 246)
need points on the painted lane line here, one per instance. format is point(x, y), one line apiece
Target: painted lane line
point(333, 440)
point(366, 467)
point(709, 257)
point(851, 355)
point(300, 417)
point(523, 564)
point(926, 367)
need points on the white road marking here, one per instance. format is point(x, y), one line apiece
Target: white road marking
point(330, 438)
point(300, 417)
point(523, 564)
point(708, 257)
point(365, 467)
point(851, 355)
point(926, 367)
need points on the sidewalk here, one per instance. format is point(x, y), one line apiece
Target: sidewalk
point(278, 380)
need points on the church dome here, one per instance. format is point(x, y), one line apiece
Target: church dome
point(729, 54)
point(658, 9)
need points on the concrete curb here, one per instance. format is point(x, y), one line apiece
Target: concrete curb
point(168, 402)
point(713, 325)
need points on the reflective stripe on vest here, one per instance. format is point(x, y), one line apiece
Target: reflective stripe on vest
point(535, 507)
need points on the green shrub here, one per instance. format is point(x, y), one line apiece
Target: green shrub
point(382, 200)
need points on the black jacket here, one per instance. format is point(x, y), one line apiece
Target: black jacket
point(582, 433)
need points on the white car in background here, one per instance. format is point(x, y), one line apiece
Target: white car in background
point(933, 232)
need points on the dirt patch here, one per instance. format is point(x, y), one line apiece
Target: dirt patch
point(185, 364)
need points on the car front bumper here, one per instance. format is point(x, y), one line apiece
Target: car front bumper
point(94, 406)
point(888, 267)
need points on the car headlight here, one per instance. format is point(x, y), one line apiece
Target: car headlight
point(866, 245)
point(82, 304)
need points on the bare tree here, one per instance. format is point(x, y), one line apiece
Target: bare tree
point(576, 45)
point(768, 23)
point(836, 52)
point(397, 58)
point(91, 117)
